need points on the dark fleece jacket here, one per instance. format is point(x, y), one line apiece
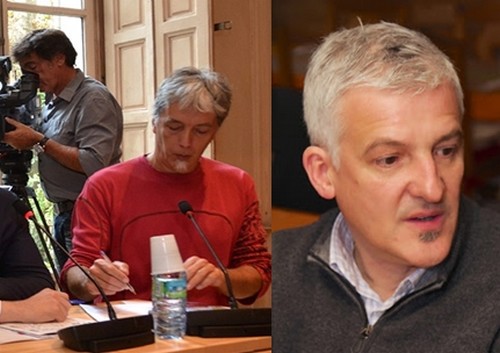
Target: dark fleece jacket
point(458, 310)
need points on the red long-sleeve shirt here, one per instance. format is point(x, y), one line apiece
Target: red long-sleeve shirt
point(122, 206)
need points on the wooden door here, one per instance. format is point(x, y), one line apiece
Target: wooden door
point(145, 40)
point(242, 51)
point(129, 65)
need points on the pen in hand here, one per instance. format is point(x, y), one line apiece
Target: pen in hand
point(108, 260)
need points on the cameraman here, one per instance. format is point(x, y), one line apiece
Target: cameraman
point(81, 125)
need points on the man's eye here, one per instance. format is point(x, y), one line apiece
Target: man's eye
point(386, 161)
point(174, 127)
point(449, 151)
point(30, 67)
point(202, 131)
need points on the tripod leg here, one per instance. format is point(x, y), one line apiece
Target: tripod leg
point(30, 193)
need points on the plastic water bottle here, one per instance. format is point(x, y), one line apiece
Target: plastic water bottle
point(169, 304)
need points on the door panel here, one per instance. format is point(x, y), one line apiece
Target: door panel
point(145, 41)
point(242, 51)
point(182, 35)
point(130, 68)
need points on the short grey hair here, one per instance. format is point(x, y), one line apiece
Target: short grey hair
point(192, 88)
point(383, 56)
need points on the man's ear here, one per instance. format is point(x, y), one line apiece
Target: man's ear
point(320, 170)
point(59, 59)
point(154, 122)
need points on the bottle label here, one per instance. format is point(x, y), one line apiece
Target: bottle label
point(171, 289)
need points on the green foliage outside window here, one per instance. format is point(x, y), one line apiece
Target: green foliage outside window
point(46, 215)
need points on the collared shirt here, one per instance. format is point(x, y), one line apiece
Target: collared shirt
point(87, 116)
point(342, 261)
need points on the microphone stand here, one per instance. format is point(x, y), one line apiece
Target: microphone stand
point(111, 310)
point(23, 194)
point(224, 323)
point(231, 298)
point(102, 336)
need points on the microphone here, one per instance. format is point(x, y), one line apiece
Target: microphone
point(99, 336)
point(27, 213)
point(224, 323)
point(186, 209)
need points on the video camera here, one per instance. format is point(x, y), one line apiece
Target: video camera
point(18, 102)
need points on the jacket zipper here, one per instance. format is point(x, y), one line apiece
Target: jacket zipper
point(367, 330)
point(364, 335)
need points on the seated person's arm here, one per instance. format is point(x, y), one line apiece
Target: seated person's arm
point(22, 271)
point(250, 266)
point(90, 231)
point(245, 280)
point(26, 292)
point(112, 277)
point(47, 305)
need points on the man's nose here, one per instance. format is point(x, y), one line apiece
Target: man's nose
point(186, 138)
point(427, 181)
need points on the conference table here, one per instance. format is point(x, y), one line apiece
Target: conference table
point(186, 345)
point(189, 344)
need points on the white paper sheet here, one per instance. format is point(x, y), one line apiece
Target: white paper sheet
point(126, 308)
point(129, 308)
point(11, 332)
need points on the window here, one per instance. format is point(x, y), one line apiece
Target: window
point(76, 18)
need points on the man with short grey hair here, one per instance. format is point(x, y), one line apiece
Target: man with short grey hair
point(405, 263)
point(123, 206)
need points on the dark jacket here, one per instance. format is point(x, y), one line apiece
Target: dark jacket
point(22, 272)
point(315, 310)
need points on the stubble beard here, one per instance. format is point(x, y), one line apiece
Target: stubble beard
point(428, 237)
point(181, 167)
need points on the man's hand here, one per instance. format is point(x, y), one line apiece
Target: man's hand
point(112, 277)
point(22, 137)
point(201, 274)
point(245, 280)
point(47, 305)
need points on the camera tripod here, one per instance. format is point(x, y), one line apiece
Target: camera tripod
point(27, 195)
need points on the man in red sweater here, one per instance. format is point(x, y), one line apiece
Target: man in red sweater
point(122, 206)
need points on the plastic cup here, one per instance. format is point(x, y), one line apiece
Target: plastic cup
point(165, 255)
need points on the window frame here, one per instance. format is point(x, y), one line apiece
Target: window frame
point(91, 16)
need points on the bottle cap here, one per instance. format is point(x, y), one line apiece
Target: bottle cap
point(165, 255)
